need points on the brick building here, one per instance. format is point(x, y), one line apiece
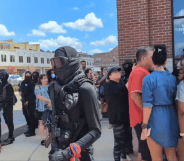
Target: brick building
point(108, 59)
point(145, 23)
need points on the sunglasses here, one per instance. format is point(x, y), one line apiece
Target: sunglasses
point(59, 62)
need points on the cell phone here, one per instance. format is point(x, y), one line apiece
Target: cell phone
point(149, 131)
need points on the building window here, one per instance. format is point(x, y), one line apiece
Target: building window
point(114, 59)
point(16, 47)
point(42, 60)
point(20, 59)
point(48, 61)
point(178, 29)
point(28, 59)
point(98, 60)
point(12, 58)
point(35, 59)
point(3, 58)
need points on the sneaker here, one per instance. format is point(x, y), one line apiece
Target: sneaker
point(8, 141)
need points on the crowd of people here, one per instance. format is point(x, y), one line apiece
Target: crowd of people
point(142, 95)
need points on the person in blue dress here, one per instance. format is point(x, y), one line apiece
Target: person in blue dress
point(160, 121)
point(42, 102)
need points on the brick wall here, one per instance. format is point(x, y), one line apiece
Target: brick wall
point(107, 58)
point(143, 23)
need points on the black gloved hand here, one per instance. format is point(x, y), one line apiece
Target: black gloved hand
point(61, 155)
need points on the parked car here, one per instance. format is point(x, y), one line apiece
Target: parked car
point(14, 80)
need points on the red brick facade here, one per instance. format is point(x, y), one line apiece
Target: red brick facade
point(143, 23)
point(106, 59)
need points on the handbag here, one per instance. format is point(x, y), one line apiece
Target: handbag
point(46, 117)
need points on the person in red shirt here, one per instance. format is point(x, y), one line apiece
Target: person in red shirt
point(144, 63)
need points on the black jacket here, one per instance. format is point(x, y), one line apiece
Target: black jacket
point(27, 89)
point(116, 95)
point(8, 102)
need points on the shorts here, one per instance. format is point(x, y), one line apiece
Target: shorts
point(143, 146)
point(40, 115)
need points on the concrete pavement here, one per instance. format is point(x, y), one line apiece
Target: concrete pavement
point(30, 149)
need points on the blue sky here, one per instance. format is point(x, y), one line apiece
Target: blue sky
point(88, 26)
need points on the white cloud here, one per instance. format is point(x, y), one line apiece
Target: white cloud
point(91, 5)
point(52, 27)
point(111, 14)
point(179, 22)
point(95, 51)
point(75, 8)
point(37, 33)
point(59, 42)
point(89, 23)
point(109, 40)
point(87, 35)
point(110, 49)
point(5, 32)
point(180, 13)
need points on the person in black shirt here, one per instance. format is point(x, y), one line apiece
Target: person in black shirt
point(29, 103)
point(35, 76)
point(72, 81)
point(51, 76)
point(116, 95)
point(7, 106)
point(127, 66)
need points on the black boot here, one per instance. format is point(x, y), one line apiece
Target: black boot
point(27, 131)
point(31, 132)
point(8, 141)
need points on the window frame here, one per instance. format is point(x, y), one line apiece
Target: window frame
point(173, 18)
point(12, 58)
point(22, 59)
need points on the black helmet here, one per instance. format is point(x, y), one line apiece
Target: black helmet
point(4, 75)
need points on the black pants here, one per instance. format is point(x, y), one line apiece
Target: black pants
point(143, 146)
point(0, 129)
point(8, 117)
point(129, 139)
point(119, 142)
point(28, 112)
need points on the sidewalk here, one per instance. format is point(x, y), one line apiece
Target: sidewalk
point(30, 149)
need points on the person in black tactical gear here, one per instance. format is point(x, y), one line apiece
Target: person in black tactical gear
point(127, 66)
point(29, 103)
point(7, 106)
point(35, 76)
point(116, 95)
point(75, 105)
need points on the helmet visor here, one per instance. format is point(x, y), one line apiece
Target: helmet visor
point(58, 62)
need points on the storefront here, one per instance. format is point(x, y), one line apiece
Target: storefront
point(150, 22)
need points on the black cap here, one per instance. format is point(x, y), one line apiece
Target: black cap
point(113, 69)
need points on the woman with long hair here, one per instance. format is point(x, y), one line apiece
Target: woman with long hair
point(160, 121)
point(42, 102)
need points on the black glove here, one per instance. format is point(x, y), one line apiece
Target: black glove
point(61, 155)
